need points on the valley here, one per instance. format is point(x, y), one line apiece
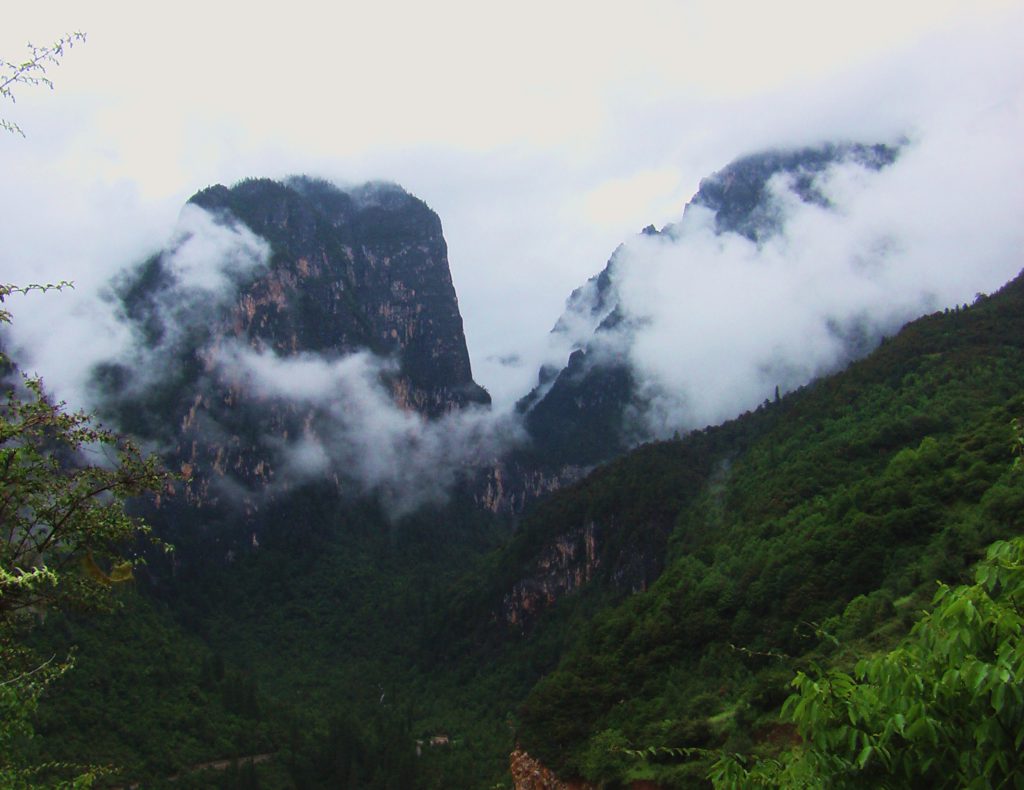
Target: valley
point(380, 582)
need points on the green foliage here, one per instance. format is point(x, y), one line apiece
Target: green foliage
point(145, 696)
point(342, 639)
point(64, 484)
point(944, 709)
point(25, 680)
point(840, 505)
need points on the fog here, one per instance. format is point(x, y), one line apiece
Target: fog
point(174, 310)
point(719, 321)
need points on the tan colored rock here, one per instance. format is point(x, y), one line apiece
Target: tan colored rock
point(529, 774)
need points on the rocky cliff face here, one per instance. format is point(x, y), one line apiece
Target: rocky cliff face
point(271, 325)
point(571, 560)
point(529, 774)
point(565, 564)
point(610, 529)
point(517, 480)
point(365, 269)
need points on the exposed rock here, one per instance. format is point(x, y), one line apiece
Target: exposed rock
point(362, 270)
point(579, 537)
point(739, 194)
point(528, 774)
point(566, 564)
point(511, 484)
point(351, 272)
point(572, 560)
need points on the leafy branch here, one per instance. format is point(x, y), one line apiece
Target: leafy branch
point(63, 524)
point(33, 71)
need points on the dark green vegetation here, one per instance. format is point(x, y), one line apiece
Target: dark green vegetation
point(633, 625)
point(833, 511)
point(943, 709)
point(837, 509)
point(65, 541)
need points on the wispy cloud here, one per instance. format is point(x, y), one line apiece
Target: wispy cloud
point(354, 433)
point(718, 320)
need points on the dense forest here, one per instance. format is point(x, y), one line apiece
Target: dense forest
point(793, 542)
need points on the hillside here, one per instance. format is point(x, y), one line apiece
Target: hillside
point(318, 619)
point(837, 507)
point(686, 568)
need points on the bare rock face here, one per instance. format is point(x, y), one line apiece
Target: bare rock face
point(582, 535)
point(364, 269)
point(565, 564)
point(528, 774)
point(276, 275)
point(510, 485)
point(572, 560)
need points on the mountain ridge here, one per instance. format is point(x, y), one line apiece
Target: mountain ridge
point(600, 383)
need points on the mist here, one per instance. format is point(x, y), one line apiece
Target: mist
point(175, 310)
point(583, 146)
point(716, 321)
point(354, 433)
point(172, 298)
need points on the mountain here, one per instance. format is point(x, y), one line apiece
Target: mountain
point(280, 322)
point(301, 359)
point(593, 408)
point(367, 268)
point(828, 514)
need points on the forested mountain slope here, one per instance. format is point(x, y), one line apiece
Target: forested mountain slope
point(840, 504)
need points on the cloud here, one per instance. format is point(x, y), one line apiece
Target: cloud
point(333, 417)
point(168, 304)
point(210, 255)
point(718, 320)
point(354, 432)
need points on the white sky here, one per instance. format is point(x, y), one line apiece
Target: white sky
point(543, 133)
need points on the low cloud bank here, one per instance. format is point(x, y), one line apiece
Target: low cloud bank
point(171, 301)
point(716, 321)
point(353, 431)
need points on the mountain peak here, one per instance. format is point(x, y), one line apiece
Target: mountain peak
point(752, 198)
point(279, 313)
point(739, 195)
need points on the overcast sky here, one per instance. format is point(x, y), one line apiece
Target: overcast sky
point(543, 133)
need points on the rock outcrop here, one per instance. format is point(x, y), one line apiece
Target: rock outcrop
point(244, 322)
point(528, 774)
point(363, 269)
